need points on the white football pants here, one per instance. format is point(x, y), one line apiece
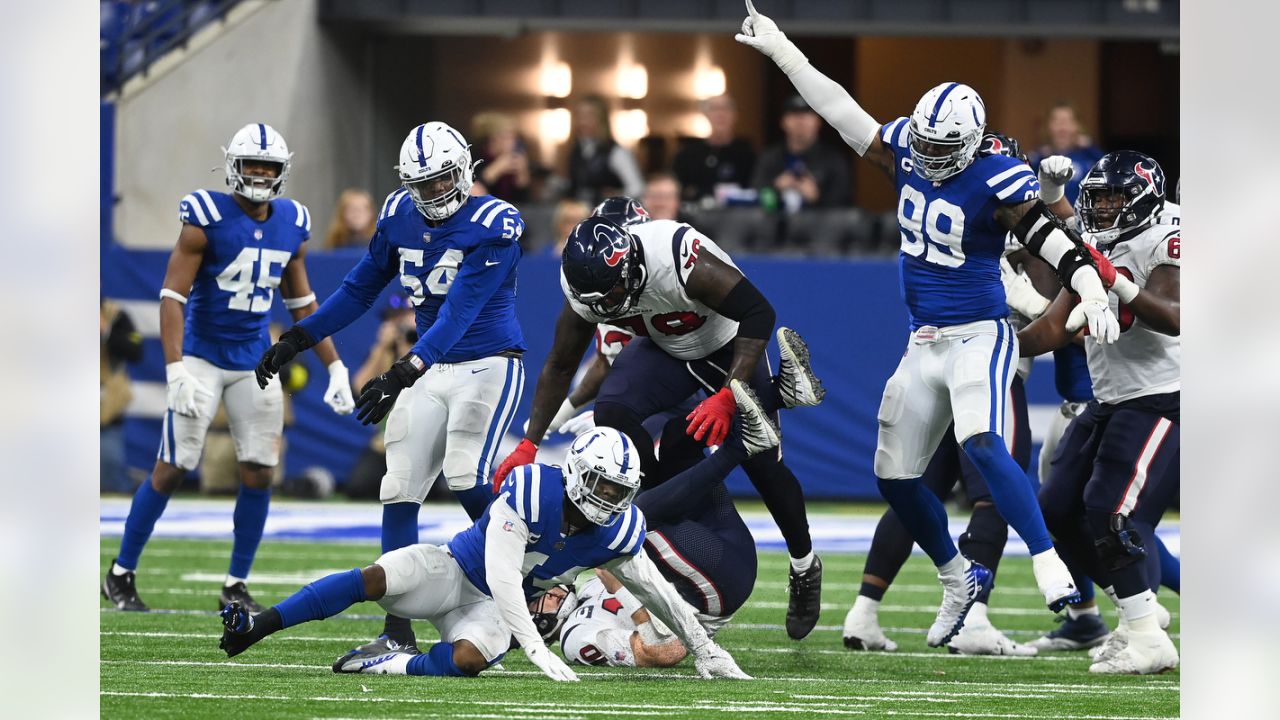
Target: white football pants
point(255, 417)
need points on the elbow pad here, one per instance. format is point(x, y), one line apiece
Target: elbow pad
point(746, 304)
point(1051, 240)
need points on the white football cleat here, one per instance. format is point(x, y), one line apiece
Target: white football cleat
point(862, 632)
point(1113, 644)
point(982, 638)
point(797, 384)
point(959, 592)
point(1054, 580)
point(1144, 653)
point(1162, 616)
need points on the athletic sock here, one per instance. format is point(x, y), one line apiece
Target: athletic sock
point(953, 567)
point(864, 605)
point(436, 661)
point(1137, 607)
point(148, 505)
point(1010, 489)
point(249, 518)
point(977, 615)
point(399, 629)
point(399, 525)
point(922, 513)
point(1170, 568)
point(871, 592)
point(474, 500)
point(232, 580)
point(802, 564)
point(323, 598)
point(1075, 612)
point(890, 549)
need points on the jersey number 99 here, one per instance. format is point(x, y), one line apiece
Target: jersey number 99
point(932, 229)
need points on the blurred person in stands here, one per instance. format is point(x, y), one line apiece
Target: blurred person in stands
point(353, 220)
point(119, 343)
point(504, 169)
point(719, 165)
point(568, 214)
point(662, 197)
point(804, 172)
point(598, 165)
point(396, 336)
point(1067, 138)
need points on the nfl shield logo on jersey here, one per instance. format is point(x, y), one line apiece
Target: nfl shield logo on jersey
point(257, 234)
point(426, 237)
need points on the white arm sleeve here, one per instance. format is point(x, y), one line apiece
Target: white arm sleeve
point(624, 165)
point(857, 128)
point(660, 598)
point(503, 559)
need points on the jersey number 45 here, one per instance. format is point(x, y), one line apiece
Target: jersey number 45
point(253, 268)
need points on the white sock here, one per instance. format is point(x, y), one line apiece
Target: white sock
point(1074, 612)
point(1110, 591)
point(802, 564)
point(119, 571)
point(864, 605)
point(977, 615)
point(953, 567)
point(1138, 607)
point(232, 580)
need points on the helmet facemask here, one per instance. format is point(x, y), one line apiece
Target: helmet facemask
point(938, 158)
point(1107, 211)
point(622, 297)
point(256, 188)
point(440, 194)
point(602, 494)
point(551, 610)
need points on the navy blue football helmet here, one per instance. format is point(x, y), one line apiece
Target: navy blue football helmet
point(994, 143)
point(623, 210)
point(604, 267)
point(1124, 191)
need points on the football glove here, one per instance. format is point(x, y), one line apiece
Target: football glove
point(293, 341)
point(1055, 173)
point(562, 421)
point(713, 661)
point(338, 394)
point(186, 395)
point(575, 426)
point(762, 33)
point(1097, 314)
point(711, 419)
point(379, 394)
point(551, 665)
point(1019, 294)
point(524, 454)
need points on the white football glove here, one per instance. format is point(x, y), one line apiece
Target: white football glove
point(550, 664)
point(1102, 323)
point(762, 33)
point(713, 661)
point(577, 425)
point(186, 395)
point(338, 394)
point(1019, 294)
point(1055, 173)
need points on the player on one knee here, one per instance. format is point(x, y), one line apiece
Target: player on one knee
point(954, 210)
point(234, 250)
point(450, 399)
point(474, 591)
point(1116, 470)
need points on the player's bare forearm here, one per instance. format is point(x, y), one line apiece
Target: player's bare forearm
point(1049, 331)
point(591, 382)
point(1159, 304)
point(179, 276)
point(667, 654)
point(172, 325)
point(573, 334)
point(746, 356)
point(1062, 208)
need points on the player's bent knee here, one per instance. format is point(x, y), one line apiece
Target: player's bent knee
point(255, 475)
point(375, 582)
point(984, 448)
point(468, 657)
point(166, 478)
point(395, 488)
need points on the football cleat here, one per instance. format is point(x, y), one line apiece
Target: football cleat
point(237, 629)
point(1079, 633)
point(1111, 645)
point(1163, 617)
point(797, 384)
point(372, 663)
point(983, 638)
point(862, 632)
point(806, 599)
point(1142, 653)
point(1054, 580)
point(122, 591)
point(382, 645)
point(238, 594)
point(757, 429)
point(959, 592)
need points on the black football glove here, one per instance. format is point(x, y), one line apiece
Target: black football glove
point(293, 341)
point(379, 394)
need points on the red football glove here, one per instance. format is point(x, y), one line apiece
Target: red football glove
point(1106, 271)
point(712, 418)
point(522, 455)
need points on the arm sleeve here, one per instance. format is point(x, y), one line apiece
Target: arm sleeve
point(746, 304)
point(482, 272)
point(639, 575)
point(357, 293)
point(503, 557)
point(1058, 245)
point(856, 127)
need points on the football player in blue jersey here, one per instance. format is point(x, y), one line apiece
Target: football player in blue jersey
point(954, 211)
point(453, 395)
point(546, 526)
point(234, 250)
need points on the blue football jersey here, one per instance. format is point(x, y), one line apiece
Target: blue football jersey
point(951, 243)
point(536, 493)
point(460, 277)
point(227, 311)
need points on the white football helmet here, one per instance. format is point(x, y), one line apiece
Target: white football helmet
point(436, 168)
point(261, 143)
point(945, 130)
point(602, 474)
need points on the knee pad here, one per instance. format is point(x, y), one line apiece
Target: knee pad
point(1115, 540)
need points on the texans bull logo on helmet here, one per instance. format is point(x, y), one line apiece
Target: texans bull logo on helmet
point(617, 253)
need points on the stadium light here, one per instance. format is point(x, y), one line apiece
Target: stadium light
point(708, 82)
point(633, 82)
point(554, 125)
point(630, 125)
point(556, 80)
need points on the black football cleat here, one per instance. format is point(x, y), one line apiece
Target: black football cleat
point(806, 600)
point(368, 655)
point(238, 594)
point(237, 629)
point(121, 591)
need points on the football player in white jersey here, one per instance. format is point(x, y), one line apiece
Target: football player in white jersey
point(1117, 469)
point(606, 625)
point(955, 208)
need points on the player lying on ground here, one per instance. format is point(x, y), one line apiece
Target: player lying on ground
point(1116, 471)
point(954, 210)
point(234, 250)
point(545, 527)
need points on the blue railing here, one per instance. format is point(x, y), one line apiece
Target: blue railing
point(134, 34)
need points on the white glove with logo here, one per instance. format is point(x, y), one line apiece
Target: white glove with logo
point(1093, 309)
point(1019, 294)
point(713, 661)
point(1055, 173)
point(338, 394)
point(762, 33)
point(550, 664)
point(186, 395)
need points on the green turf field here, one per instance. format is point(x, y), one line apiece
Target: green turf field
point(168, 665)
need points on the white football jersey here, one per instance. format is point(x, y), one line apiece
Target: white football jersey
point(599, 631)
point(683, 327)
point(610, 339)
point(1142, 362)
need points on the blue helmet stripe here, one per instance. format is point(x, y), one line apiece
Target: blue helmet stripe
point(422, 154)
point(456, 137)
point(937, 107)
point(263, 129)
point(626, 451)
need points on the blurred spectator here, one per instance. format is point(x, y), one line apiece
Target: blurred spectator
point(504, 171)
point(1062, 128)
point(802, 171)
point(598, 165)
point(568, 213)
point(709, 169)
point(119, 343)
point(396, 336)
point(662, 197)
point(353, 220)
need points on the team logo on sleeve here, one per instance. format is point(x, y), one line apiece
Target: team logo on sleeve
point(612, 604)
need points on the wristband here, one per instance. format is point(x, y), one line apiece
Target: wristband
point(1125, 289)
point(173, 295)
point(299, 302)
